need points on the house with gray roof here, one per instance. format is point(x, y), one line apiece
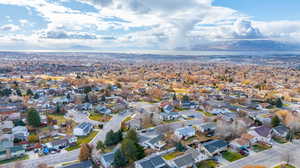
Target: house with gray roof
point(185, 132)
point(83, 129)
point(280, 131)
point(84, 164)
point(154, 161)
point(107, 159)
point(214, 147)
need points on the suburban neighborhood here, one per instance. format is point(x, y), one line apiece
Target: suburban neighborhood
point(147, 115)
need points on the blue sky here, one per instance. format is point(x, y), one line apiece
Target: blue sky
point(144, 24)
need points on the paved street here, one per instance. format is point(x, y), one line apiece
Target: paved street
point(54, 159)
point(271, 157)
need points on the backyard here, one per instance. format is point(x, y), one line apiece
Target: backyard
point(284, 166)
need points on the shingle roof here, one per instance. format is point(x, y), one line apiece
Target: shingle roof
point(263, 131)
point(214, 145)
point(184, 160)
point(84, 164)
point(153, 162)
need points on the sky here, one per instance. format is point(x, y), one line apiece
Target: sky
point(144, 24)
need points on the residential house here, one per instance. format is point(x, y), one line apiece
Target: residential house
point(20, 132)
point(107, 159)
point(103, 110)
point(280, 131)
point(84, 164)
point(261, 134)
point(169, 116)
point(155, 143)
point(207, 127)
point(59, 144)
point(83, 129)
point(189, 159)
point(153, 161)
point(239, 143)
point(12, 152)
point(185, 132)
point(6, 126)
point(214, 147)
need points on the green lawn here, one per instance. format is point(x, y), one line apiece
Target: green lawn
point(280, 140)
point(232, 156)
point(172, 155)
point(260, 147)
point(25, 157)
point(83, 140)
point(284, 166)
point(207, 114)
point(99, 117)
point(207, 164)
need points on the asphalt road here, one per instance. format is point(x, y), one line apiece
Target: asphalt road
point(269, 158)
point(54, 159)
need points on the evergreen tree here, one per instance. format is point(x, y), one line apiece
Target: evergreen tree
point(100, 146)
point(119, 159)
point(275, 121)
point(18, 92)
point(180, 147)
point(132, 135)
point(29, 92)
point(278, 103)
point(33, 117)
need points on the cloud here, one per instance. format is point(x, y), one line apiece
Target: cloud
point(9, 27)
point(102, 3)
point(59, 34)
point(244, 29)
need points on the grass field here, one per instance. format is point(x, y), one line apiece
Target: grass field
point(172, 155)
point(99, 117)
point(207, 164)
point(284, 166)
point(232, 156)
point(260, 147)
point(83, 140)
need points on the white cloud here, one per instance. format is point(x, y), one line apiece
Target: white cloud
point(9, 27)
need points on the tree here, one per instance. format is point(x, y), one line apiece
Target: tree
point(87, 89)
point(57, 109)
point(275, 121)
point(119, 159)
point(278, 103)
point(86, 98)
point(133, 151)
point(32, 138)
point(132, 135)
point(36, 96)
point(85, 152)
point(29, 92)
point(100, 146)
point(113, 138)
point(18, 92)
point(180, 147)
point(33, 117)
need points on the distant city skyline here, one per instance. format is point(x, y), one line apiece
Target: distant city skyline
point(149, 24)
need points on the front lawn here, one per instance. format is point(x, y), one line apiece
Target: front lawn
point(207, 164)
point(172, 155)
point(24, 157)
point(232, 156)
point(284, 166)
point(83, 140)
point(260, 147)
point(280, 140)
point(207, 114)
point(99, 117)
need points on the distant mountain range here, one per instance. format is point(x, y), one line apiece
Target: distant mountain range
point(245, 45)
